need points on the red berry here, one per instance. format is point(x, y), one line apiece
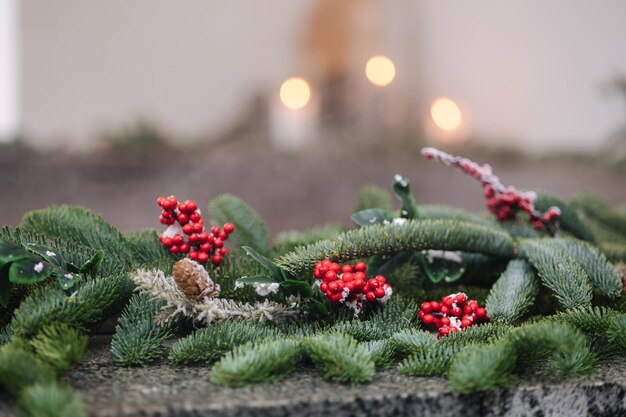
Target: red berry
point(178, 239)
point(174, 249)
point(205, 247)
point(481, 312)
point(173, 201)
point(349, 286)
point(347, 277)
point(360, 267)
point(421, 315)
point(193, 238)
point(379, 292)
point(444, 330)
point(330, 276)
point(426, 307)
point(182, 207)
point(453, 329)
point(183, 218)
point(215, 230)
point(360, 275)
point(381, 280)
point(447, 301)
point(436, 306)
point(359, 283)
point(334, 286)
point(370, 296)
point(162, 219)
point(167, 242)
point(222, 235)
point(461, 298)
point(166, 204)
point(193, 255)
point(203, 257)
point(195, 217)
point(229, 228)
point(456, 311)
point(444, 310)
point(191, 206)
point(335, 267)
point(188, 229)
point(428, 319)
point(198, 227)
point(218, 243)
point(466, 323)
point(211, 238)
point(216, 259)
point(160, 200)
point(445, 321)
point(468, 309)
point(335, 297)
point(347, 269)
point(373, 284)
point(317, 274)
point(184, 248)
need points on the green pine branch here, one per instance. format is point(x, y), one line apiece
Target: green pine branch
point(254, 363)
point(443, 212)
point(288, 240)
point(414, 235)
point(513, 294)
point(81, 226)
point(482, 367)
point(558, 271)
point(381, 352)
point(617, 331)
point(59, 346)
point(434, 361)
point(411, 341)
point(615, 252)
point(600, 271)
point(482, 333)
point(145, 246)
point(250, 229)
point(211, 343)
point(569, 220)
point(340, 358)
point(20, 368)
point(50, 400)
point(93, 301)
point(138, 339)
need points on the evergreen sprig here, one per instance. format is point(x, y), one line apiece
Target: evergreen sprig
point(600, 271)
point(250, 228)
point(513, 294)
point(434, 361)
point(138, 339)
point(443, 212)
point(145, 246)
point(481, 367)
point(81, 226)
point(254, 363)
point(211, 343)
point(20, 368)
point(483, 333)
point(50, 400)
point(569, 220)
point(381, 352)
point(288, 240)
point(615, 252)
point(340, 358)
point(361, 330)
point(558, 271)
point(617, 331)
point(595, 323)
point(410, 341)
point(59, 346)
point(90, 304)
point(414, 235)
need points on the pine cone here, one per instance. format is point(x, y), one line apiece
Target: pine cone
point(194, 281)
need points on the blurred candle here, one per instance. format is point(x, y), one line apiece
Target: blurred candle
point(293, 115)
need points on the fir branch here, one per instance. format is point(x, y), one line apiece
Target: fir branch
point(600, 271)
point(569, 220)
point(615, 252)
point(414, 235)
point(381, 352)
point(482, 333)
point(59, 346)
point(595, 323)
point(513, 294)
point(288, 240)
point(81, 226)
point(617, 331)
point(411, 341)
point(481, 367)
point(254, 363)
point(250, 228)
point(211, 343)
point(612, 220)
point(6, 334)
point(372, 196)
point(145, 247)
point(20, 368)
point(138, 339)
point(434, 361)
point(94, 301)
point(340, 358)
point(559, 272)
point(361, 330)
point(299, 330)
point(50, 400)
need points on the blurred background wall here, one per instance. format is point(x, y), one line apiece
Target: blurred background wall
point(532, 74)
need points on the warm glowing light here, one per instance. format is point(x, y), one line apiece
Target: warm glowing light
point(380, 70)
point(295, 93)
point(446, 114)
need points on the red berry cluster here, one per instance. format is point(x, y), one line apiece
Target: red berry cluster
point(183, 218)
point(503, 202)
point(453, 313)
point(349, 284)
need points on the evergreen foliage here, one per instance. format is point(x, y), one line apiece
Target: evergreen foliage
point(340, 358)
point(569, 220)
point(381, 352)
point(250, 228)
point(288, 240)
point(82, 227)
point(59, 346)
point(361, 330)
point(50, 400)
point(410, 341)
point(20, 368)
point(434, 361)
point(595, 323)
point(254, 363)
point(145, 247)
point(211, 343)
point(90, 304)
point(558, 271)
point(483, 333)
point(138, 339)
point(600, 271)
point(617, 331)
point(372, 196)
point(481, 367)
point(513, 294)
point(414, 235)
point(443, 212)
point(615, 252)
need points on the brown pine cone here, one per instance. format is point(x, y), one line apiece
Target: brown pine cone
point(193, 280)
